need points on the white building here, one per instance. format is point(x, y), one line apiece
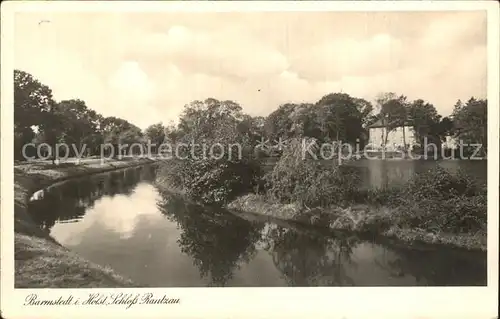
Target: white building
point(450, 142)
point(396, 139)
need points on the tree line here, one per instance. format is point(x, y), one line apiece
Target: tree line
point(38, 118)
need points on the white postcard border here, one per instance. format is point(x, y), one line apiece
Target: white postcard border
point(408, 302)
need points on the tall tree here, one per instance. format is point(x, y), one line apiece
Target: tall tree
point(209, 119)
point(425, 120)
point(365, 108)
point(279, 123)
point(393, 113)
point(118, 132)
point(445, 128)
point(214, 174)
point(471, 122)
point(79, 123)
point(30, 99)
point(156, 134)
point(52, 127)
point(305, 121)
point(341, 117)
point(32, 102)
point(252, 127)
point(172, 133)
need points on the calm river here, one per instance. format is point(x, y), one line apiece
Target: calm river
point(122, 220)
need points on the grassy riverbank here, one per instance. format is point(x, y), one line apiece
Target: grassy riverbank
point(373, 220)
point(39, 260)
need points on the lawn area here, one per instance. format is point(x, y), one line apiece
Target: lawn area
point(42, 263)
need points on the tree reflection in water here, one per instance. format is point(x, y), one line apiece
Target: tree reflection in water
point(309, 259)
point(435, 266)
point(217, 241)
point(68, 201)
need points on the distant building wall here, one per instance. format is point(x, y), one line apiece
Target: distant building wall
point(394, 139)
point(450, 142)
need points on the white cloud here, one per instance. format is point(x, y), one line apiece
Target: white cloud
point(223, 53)
point(130, 76)
point(146, 71)
point(344, 56)
point(104, 213)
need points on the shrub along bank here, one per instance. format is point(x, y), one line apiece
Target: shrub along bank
point(433, 207)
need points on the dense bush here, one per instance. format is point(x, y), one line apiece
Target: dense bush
point(434, 184)
point(437, 200)
point(211, 181)
point(218, 181)
point(434, 201)
point(171, 174)
point(457, 215)
point(438, 183)
point(204, 172)
point(303, 179)
point(378, 196)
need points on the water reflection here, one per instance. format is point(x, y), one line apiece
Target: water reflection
point(392, 173)
point(157, 239)
point(68, 201)
point(222, 245)
point(217, 241)
point(435, 267)
point(309, 260)
point(378, 173)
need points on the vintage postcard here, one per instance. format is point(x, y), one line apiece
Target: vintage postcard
point(271, 159)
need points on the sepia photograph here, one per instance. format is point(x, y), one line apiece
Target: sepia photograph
point(203, 148)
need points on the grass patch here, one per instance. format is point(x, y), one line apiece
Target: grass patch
point(358, 218)
point(260, 203)
point(40, 263)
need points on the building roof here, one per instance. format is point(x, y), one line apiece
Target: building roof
point(378, 123)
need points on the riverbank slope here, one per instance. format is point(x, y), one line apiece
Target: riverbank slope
point(363, 219)
point(41, 262)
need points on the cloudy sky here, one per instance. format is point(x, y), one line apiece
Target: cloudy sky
point(144, 67)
